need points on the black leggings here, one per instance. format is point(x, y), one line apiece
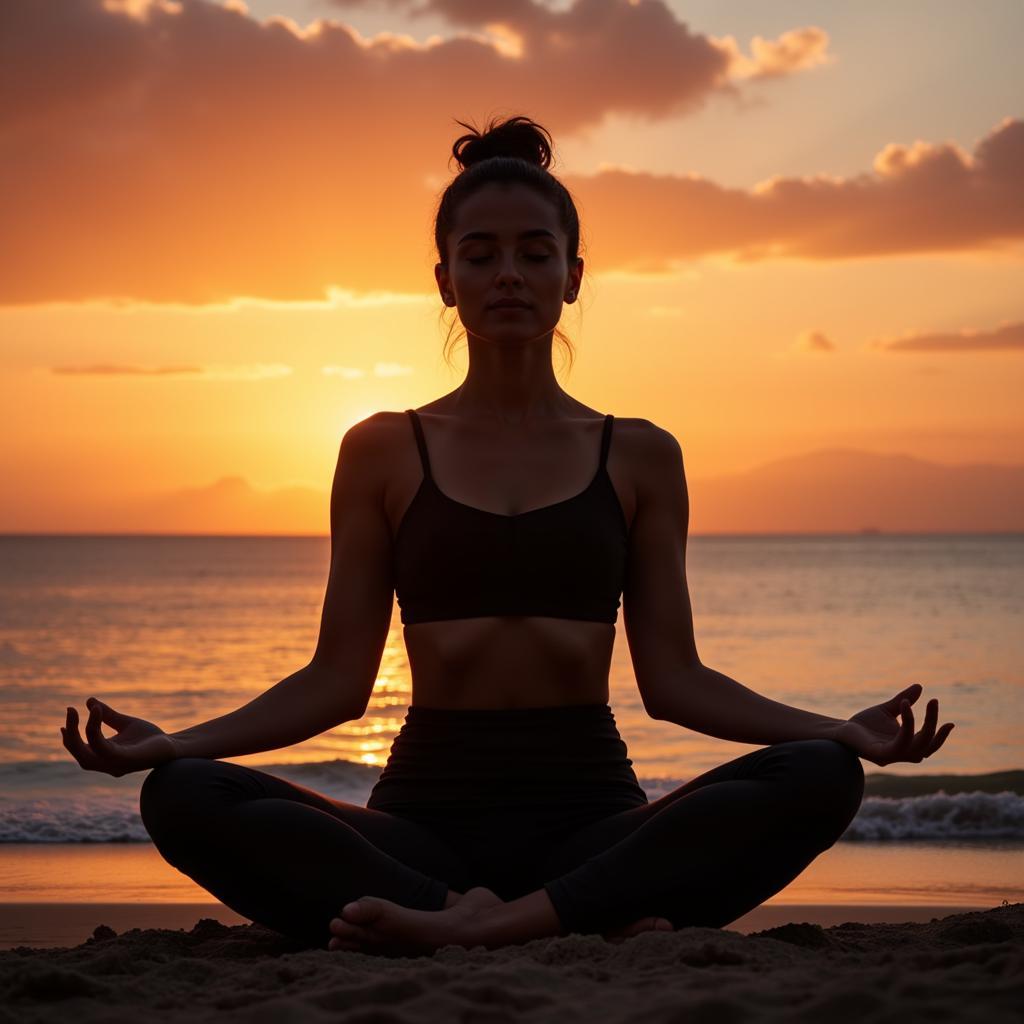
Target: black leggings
point(514, 800)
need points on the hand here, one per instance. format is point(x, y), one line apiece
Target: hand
point(877, 736)
point(137, 746)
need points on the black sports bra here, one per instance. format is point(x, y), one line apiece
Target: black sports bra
point(566, 560)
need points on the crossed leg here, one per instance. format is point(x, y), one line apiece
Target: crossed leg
point(286, 856)
point(713, 849)
point(704, 854)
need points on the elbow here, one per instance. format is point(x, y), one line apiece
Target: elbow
point(655, 708)
point(653, 711)
point(334, 698)
point(351, 714)
point(666, 703)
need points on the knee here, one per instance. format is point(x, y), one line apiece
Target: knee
point(170, 789)
point(830, 773)
point(835, 766)
point(836, 775)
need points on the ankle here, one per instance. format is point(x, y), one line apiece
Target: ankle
point(452, 898)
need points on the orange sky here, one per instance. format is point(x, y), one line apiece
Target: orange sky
point(803, 230)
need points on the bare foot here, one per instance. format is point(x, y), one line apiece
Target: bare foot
point(372, 924)
point(645, 924)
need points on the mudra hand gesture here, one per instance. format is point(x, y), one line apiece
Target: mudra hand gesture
point(878, 736)
point(137, 746)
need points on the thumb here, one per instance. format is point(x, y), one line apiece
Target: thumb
point(911, 693)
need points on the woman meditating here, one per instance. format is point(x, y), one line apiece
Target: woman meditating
point(508, 518)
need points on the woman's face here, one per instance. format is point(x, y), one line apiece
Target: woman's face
point(507, 243)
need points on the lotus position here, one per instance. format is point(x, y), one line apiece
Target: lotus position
point(510, 520)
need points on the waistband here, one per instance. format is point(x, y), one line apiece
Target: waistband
point(458, 757)
point(559, 733)
point(558, 712)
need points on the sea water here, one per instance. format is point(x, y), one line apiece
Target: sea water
point(181, 629)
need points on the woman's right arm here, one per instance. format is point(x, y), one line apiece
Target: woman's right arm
point(302, 705)
point(336, 685)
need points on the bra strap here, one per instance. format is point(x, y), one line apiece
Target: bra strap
point(606, 439)
point(421, 442)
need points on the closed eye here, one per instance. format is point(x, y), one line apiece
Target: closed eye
point(481, 259)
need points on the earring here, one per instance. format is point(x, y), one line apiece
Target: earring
point(572, 295)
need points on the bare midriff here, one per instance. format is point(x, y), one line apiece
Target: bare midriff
point(509, 662)
point(494, 662)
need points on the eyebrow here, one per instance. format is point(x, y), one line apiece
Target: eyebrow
point(532, 233)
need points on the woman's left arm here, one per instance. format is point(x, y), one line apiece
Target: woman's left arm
point(675, 685)
point(715, 704)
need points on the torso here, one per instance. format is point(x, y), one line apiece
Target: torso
point(504, 661)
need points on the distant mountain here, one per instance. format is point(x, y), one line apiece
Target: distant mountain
point(832, 490)
point(842, 490)
point(229, 505)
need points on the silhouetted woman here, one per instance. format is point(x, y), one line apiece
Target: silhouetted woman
point(508, 518)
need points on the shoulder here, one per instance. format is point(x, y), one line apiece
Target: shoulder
point(655, 465)
point(376, 435)
point(370, 446)
point(651, 450)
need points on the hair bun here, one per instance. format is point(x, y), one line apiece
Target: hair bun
point(518, 137)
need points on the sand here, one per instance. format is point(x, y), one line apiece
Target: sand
point(962, 967)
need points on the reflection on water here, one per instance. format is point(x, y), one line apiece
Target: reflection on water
point(182, 629)
point(847, 873)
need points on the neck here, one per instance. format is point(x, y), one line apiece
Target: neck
point(511, 383)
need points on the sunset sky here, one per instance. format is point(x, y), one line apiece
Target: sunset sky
point(803, 228)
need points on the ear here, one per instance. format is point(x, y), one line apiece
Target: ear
point(443, 279)
point(576, 276)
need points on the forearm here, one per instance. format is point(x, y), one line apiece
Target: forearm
point(712, 703)
point(301, 705)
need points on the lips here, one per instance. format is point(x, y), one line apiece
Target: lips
point(505, 304)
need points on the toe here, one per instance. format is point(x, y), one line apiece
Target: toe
point(362, 911)
point(345, 930)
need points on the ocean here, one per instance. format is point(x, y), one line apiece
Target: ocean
point(181, 629)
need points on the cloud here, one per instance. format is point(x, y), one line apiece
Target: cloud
point(254, 371)
point(797, 50)
point(177, 151)
point(180, 151)
point(813, 341)
point(113, 369)
point(391, 370)
point(920, 198)
point(345, 372)
point(1006, 337)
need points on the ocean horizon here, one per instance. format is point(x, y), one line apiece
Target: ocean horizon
point(182, 628)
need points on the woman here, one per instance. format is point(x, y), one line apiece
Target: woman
point(508, 809)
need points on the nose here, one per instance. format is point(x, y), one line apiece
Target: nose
point(508, 272)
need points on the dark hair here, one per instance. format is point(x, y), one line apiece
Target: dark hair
point(514, 150)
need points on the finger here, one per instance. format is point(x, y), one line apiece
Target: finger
point(114, 718)
point(96, 739)
point(922, 741)
point(76, 745)
point(901, 742)
point(911, 693)
point(940, 738)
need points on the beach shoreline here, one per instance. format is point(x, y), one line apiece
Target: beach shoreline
point(43, 925)
point(965, 966)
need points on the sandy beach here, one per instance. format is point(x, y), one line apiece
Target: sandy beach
point(962, 967)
